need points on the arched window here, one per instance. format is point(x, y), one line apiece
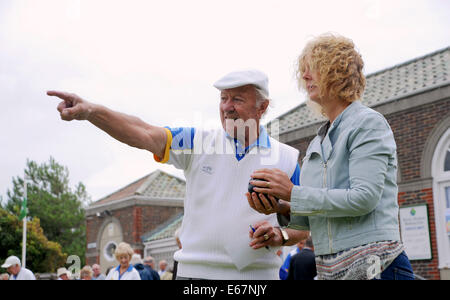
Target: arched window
point(441, 195)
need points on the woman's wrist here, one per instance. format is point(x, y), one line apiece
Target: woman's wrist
point(284, 208)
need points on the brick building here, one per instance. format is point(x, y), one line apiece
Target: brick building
point(415, 99)
point(130, 215)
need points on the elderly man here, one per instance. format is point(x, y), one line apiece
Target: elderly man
point(217, 164)
point(149, 264)
point(63, 274)
point(13, 266)
point(97, 272)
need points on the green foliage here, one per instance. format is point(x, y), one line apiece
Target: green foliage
point(59, 207)
point(42, 255)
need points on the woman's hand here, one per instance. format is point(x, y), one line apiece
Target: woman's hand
point(268, 206)
point(277, 183)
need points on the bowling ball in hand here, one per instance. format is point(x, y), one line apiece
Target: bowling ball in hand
point(251, 186)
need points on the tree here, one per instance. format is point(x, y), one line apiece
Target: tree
point(42, 255)
point(59, 207)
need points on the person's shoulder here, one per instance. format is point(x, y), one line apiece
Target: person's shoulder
point(133, 269)
point(135, 274)
point(365, 117)
point(28, 274)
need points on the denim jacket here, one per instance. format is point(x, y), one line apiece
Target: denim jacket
point(348, 185)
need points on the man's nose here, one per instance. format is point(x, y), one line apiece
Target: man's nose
point(227, 105)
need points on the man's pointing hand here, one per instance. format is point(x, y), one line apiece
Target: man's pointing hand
point(73, 107)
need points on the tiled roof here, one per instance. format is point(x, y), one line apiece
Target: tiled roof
point(165, 230)
point(156, 185)
point(402, 80)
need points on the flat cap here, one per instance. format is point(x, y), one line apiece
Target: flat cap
point(244, 77)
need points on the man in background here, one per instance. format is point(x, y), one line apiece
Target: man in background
point(97, 272)
point(303, 264)
point(149, 263)
point(14, 268)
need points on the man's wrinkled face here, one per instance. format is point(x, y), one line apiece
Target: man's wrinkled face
point(96, 269)
point(238, 106)
point(13, 270)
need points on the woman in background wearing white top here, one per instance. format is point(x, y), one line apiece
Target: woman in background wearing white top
point(124, 271)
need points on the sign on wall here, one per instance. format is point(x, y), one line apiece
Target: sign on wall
point(415, 231)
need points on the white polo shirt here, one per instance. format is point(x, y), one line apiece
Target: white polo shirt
point(24, 274)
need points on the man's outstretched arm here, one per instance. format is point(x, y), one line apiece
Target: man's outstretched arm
point(125, 128)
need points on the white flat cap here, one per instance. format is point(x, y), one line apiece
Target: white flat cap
point(244, 77)
point(11, 261)
point(62, 271)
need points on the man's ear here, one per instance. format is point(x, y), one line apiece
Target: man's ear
point(263, 107)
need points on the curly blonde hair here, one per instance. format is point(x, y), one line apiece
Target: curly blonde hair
point(339, 66)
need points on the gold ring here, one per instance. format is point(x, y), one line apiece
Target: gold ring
point(269, 209)
point(266, 237)
point(268, 184)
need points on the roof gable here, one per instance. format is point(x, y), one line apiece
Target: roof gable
point(156, 185)
point(165, 230)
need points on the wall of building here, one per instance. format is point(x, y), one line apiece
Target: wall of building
point(134, 222)
point(411, 130)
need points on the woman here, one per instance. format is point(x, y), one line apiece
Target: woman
point(86, 273)
point(348, 192)
point(124, 270)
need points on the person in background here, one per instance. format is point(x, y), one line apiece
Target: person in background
point(97, 273)
point(15, 269)
point(175, 262)
point(303, 264)
point(124, 271)
point(284, 270)
point(348, 193)
point(108, 269)
point(164, 272)
point(149, 264)
point(138, 264)
point(63, 274)
point(4, 276)
point(86, 273)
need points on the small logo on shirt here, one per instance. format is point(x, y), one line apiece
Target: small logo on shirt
point(207, 169)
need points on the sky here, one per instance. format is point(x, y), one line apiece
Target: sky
point(157, 60)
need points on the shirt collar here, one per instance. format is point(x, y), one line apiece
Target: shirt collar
point(343, 115)
point(348, 110)
point(262, 140)
point(130, 267)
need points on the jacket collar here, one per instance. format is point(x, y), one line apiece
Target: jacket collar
point(324, 148)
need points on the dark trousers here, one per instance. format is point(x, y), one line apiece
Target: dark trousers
point(399, 269)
